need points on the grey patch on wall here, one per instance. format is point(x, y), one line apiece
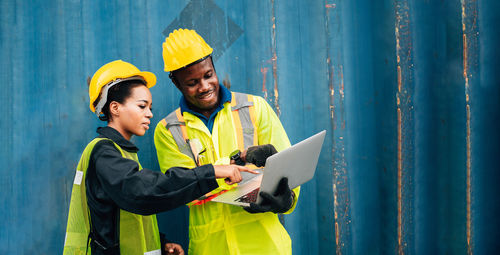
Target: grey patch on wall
point(209, 21)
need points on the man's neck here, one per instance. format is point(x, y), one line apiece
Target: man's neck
point(206, 113)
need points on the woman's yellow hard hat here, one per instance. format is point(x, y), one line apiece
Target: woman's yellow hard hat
point(183, 47)
point(115, 71)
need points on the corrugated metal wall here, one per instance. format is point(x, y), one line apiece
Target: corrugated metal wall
point(408, 91)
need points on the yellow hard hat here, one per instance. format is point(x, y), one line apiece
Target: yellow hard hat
point(183, 47)
point(111, 74)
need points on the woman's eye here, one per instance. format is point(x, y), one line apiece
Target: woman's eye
point(142, 106)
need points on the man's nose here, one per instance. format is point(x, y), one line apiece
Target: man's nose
point(204, 85)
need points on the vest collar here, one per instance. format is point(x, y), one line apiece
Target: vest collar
point(115, 136)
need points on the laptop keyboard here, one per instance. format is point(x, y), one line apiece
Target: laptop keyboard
point(249, 197)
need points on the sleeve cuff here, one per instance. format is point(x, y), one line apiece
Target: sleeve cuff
point(206, 178)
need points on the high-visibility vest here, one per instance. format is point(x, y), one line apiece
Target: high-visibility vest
point(218, 228)
point(138, 234)
point(243, 112)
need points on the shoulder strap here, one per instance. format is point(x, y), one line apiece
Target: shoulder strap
point(177, 126)
point(243, 110)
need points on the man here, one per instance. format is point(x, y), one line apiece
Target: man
point(213, 125)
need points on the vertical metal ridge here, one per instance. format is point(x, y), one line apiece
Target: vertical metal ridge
point(399, 128)
point(334, 61)
point(405, 128)
point(275, 60)
point(470, 42)
point(400, 184)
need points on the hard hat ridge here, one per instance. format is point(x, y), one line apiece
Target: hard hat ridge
point(183, 47)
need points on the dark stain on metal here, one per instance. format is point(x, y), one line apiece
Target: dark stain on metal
point(226, 82)
point(195, 16)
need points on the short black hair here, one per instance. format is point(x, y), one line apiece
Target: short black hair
point(172, 77)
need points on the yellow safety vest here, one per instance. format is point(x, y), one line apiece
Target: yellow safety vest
point(138, 234)
point(184, 140)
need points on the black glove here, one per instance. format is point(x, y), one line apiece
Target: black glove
point(257, 155)
point(281, 201)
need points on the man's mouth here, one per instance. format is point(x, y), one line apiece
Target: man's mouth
point(206, 94)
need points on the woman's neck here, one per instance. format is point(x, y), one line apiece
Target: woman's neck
point(120, 130)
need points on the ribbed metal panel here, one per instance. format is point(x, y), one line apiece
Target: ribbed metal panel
point(407, 90)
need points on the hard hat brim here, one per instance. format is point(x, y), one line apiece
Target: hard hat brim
point(149, 77)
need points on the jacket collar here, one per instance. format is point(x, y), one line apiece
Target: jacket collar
point(115, 136)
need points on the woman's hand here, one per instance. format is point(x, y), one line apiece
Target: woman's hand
point(173, 248)
point(231, 173)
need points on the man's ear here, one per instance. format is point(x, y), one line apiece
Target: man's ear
point(114, 109)
point(174, 80)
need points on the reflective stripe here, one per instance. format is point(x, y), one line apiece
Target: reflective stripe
point(74, 239)
point(155, 252)
point(78, 177)
point(244, 120)
point(237, 125)
point(178, 129)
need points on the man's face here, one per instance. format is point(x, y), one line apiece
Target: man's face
point(200, 86)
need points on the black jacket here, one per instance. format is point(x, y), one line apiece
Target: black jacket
point(113, 183)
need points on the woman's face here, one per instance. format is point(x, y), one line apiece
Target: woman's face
point(134, 115)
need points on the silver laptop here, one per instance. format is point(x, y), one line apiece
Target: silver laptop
point(297, 163)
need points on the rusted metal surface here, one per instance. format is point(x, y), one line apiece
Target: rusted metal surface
point(404, 96)
point(407, 91)
point(338, 125)
point(274, 60)
point(470, 40)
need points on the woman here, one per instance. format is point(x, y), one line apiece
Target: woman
point(114, 200)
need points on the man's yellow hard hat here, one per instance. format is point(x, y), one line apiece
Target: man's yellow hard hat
point(183, 47)
point(112, 73)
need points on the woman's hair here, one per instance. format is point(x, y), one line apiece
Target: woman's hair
point(118, 93)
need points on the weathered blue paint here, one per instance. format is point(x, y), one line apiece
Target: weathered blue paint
point(407, 90)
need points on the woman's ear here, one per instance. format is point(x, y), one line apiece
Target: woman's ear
point(114, 109)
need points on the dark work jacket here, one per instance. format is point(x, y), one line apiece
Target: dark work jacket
point(113, 183)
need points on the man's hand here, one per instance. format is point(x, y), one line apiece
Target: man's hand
point(257, 155)
point(231, 173)
point(173, 248)
point(279, 202)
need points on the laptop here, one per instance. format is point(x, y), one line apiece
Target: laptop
point(297, 163)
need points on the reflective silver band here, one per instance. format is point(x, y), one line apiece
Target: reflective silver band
point(242, 105)
point(174, 125)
